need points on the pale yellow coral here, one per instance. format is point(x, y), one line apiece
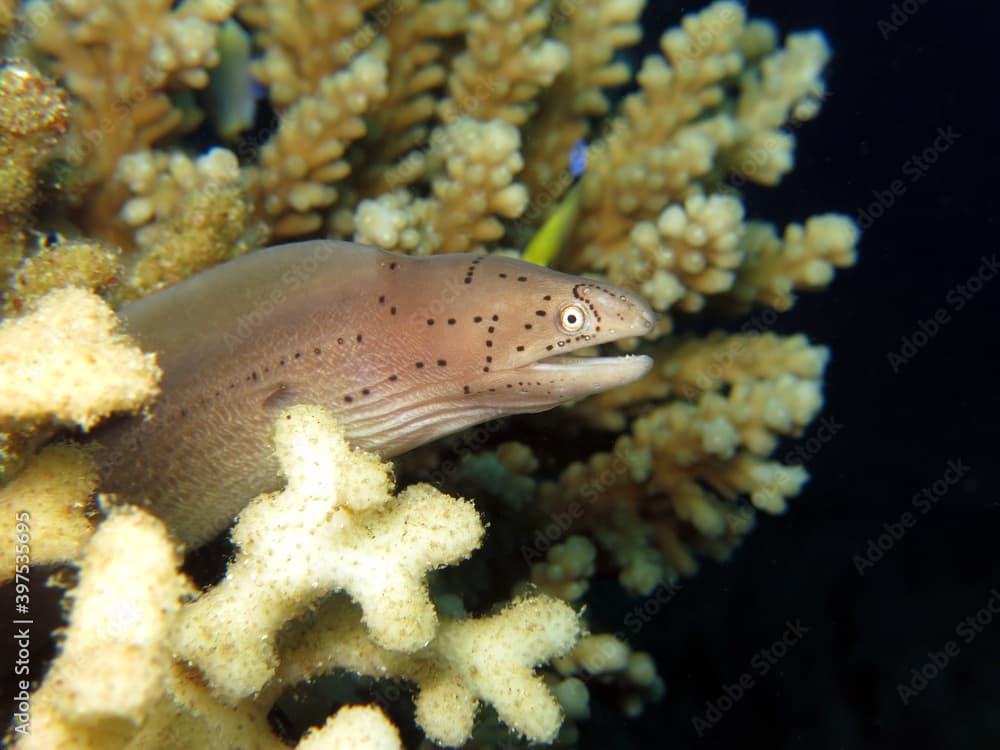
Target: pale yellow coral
point(114, 654)
point(53, 489)
point(486, 659)
point(335, 527)
point(353, 727)
point(65, 362)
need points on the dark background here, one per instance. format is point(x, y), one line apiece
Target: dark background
point(892, 89)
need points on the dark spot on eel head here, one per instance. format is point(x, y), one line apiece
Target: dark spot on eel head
point(451, 321)
point(520, 348)
point(348, 399)
point(442, 363)
point(478, 319)
point(540, 313)
point(430, 321)
point(420, 365)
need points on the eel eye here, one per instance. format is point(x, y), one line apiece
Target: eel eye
point(571, 318)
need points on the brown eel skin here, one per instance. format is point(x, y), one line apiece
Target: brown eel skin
point(402, 349)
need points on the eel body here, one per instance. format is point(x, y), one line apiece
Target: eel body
point(402, 349)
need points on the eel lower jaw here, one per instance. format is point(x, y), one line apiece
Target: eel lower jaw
point(626, 368)
point(554, 380)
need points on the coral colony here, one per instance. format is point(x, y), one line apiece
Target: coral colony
point(145, 140)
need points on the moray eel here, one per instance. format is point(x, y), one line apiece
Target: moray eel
point(402, 349)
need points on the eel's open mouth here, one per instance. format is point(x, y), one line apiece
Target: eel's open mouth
point(552, 380)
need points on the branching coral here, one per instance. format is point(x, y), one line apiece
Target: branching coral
point(675, 479)
point(120, 61)
point(341, 529)
point(506, 64)
point(190, 215)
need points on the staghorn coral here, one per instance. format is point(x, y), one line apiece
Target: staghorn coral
point(120, 61)
point(425, 127)
point(506, 63)
point(478, 186)
point(301, 162)
point(189, 215)
point(674, 479)
point(593, 31)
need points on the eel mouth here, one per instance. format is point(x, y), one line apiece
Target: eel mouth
point(556, 379)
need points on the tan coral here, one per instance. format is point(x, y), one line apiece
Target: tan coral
point(686, 463)
point(33, 118)
point(119, 61)
point(478, 185)
point(677, 138)
point(304, 42)
point(804, 258)
point(189, 214)
point(410, 39)
point(506, 63)
point(302, 162)
point(593, 32)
